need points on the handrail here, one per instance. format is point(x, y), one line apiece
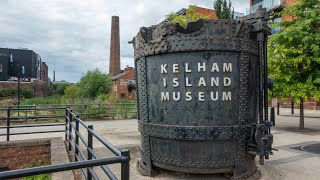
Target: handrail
point(73, 137)
point(59, 167)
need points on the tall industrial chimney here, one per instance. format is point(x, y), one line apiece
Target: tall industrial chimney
point(114, 66)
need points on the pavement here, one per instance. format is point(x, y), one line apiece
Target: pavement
point(289, 163)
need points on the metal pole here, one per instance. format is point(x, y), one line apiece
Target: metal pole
point(70, 130)
point(272, 117)
point(8, 124)
point(77, 139)
point(292, 107)
point(260, 74)
point(125, 166)
point(90, 145)
point(278, 108)
point(265, 78)
point(18, 93)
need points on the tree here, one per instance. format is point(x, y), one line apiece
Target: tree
point(59, 88)
point(294, 54)
point(94, 83)
point(223, 9)
point(190, 16)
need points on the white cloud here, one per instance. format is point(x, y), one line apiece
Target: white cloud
point(73, 36)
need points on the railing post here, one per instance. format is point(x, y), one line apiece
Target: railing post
point(126, 111)
point(292, 107)
point(278, 108)
point(90, 145)
point(76, 153)
point(70, 130)
point(8, 124)
point(66, 133)
point(125, 166)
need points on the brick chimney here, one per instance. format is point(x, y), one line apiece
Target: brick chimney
point(114, 66)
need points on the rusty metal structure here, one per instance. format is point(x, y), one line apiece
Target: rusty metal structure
point(202, 96)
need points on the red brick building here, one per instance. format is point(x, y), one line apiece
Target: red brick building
point(120, 84)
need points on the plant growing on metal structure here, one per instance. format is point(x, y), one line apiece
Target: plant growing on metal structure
point(294, 53)
point(191, 15)
point(223, 9)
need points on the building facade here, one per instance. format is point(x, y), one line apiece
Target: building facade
point(120, 84)
point(19, 62)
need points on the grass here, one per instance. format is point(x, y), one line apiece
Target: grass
point(38, 177)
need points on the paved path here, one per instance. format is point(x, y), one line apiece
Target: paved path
point(288, 163)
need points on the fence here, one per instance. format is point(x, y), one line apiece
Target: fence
point(107, 110)
point(73, 137)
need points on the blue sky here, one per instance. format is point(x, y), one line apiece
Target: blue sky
point(73, 36)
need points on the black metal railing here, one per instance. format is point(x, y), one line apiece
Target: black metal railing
point(74, 137)
point(13, 116)
point(71, 127)
point(94, 110)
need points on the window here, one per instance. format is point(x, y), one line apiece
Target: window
point(1, 70)
point(123, 95)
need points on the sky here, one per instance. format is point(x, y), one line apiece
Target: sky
point(73, 36)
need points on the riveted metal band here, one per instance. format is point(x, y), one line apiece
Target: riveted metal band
point(194, 133)
point(213, 35)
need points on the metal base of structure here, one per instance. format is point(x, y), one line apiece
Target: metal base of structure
point(145, 171)
point(230, 173)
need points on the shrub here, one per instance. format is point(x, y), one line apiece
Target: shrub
point(9, 93)
point(59, 88)
point(94, 83)
point(71, 92)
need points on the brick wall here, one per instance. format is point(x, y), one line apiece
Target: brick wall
point(121, 87)
point(38, 88)
point(24, 154)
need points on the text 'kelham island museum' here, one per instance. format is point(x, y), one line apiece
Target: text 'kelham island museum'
point(214, 80)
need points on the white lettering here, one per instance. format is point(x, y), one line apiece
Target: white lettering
point(175, 68)
point(226, 81)
point(188, 84)
point(188, 96)
point(165, 96)
point(203, 67)
point(175, 82)
point(215, 81)
point(163, 69)
point(187, 68)
point(215, 67)
point(212, 96)
point(226, 96)
point(164, 82)
point(201, 96)
point(202, 82)
point(176, 98)
point(227, 67)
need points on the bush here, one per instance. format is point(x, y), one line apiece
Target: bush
point(59, 88)
point(71, 92)
point(9, 93)
point(94, 83)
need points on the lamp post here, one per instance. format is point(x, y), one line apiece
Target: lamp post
point(19, 77)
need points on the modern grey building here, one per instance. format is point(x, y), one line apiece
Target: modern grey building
point(23, 62)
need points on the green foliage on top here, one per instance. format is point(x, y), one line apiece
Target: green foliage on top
point(191, 16)
point(223, 9)
point(94, 83)
point(294, 53)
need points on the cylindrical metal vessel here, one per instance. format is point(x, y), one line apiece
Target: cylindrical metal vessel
point(197, 96)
